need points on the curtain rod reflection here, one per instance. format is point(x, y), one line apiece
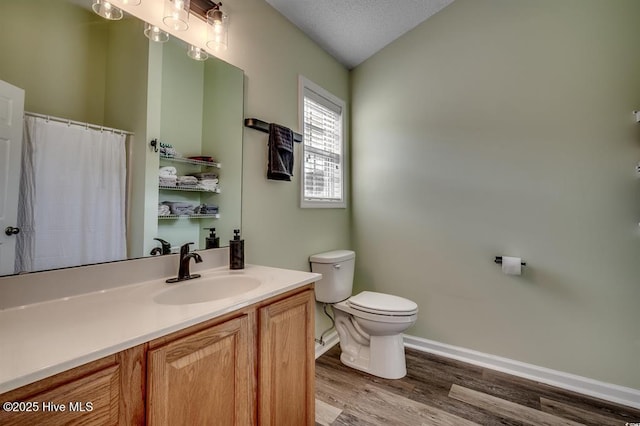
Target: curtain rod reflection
point(78, 123)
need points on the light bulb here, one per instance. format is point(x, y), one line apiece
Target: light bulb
point(176, 14)
point(197, 53)
point(154, 33)
point(106, 10)
point(217, 29)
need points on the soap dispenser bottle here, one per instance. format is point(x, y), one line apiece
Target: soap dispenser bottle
point(212, 241)
point(236, 251)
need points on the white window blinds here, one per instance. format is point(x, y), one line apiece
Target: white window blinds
point(323, 169)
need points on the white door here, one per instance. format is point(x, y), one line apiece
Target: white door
point(11, 119)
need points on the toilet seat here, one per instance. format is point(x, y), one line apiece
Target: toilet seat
point(380, 307)
point(382, 304)
point(385, 317)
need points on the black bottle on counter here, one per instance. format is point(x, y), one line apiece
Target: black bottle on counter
point(236, 251)
point(212, 241)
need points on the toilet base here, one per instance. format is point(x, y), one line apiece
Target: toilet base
point(384, 357)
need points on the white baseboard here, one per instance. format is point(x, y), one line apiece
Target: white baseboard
point(330, 341)
point(607, 391)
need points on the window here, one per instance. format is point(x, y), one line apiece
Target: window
point(323, 147)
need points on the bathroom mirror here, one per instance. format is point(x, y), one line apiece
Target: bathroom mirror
point(75, 65)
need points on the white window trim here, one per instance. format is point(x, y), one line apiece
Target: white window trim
point(303, 83)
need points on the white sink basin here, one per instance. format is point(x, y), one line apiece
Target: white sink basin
point(206, 289)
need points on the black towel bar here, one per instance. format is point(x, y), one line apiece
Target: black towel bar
point(263, 126)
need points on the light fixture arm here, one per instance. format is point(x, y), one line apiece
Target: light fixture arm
point(217, 13)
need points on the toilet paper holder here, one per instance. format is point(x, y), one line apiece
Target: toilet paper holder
point(498, 259)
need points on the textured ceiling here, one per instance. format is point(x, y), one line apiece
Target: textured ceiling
point(353, 30)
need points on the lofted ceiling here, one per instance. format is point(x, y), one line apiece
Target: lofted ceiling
point(353, 30)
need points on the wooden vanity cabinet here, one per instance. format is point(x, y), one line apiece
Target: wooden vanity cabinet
point(109, 391)
point(252, 366)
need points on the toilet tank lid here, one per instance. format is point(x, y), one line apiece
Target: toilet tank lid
point(332, 256)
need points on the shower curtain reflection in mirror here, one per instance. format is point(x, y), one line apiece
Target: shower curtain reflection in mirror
point(71, 208)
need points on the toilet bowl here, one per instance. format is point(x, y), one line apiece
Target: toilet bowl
point(371, 338)
point(369, 324)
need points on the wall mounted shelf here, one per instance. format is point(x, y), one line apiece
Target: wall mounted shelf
point(188, 189)
point(192, 216)
point(191, 161)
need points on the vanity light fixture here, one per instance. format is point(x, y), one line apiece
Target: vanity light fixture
point(217, 28)
point(197, 53)
point(176, 14)
point(105, 9)
point(154, 33)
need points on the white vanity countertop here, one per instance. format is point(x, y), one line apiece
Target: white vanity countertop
point(43, 339)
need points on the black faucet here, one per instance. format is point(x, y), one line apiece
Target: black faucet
point(166, 248)
point(185, 260)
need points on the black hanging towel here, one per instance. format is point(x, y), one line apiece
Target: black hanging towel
point(280, 165)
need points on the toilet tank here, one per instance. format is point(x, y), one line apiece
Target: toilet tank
point(336, 268)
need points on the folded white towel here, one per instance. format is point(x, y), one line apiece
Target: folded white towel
point(187, 180)
point(204, 175)
point(210, 186)
point(167, 180)
point(167, 171)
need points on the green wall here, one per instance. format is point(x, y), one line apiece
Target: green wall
point(222, 137)
point(181, 126)
point(182, 99)
point(126, 108)
point(60, 60)
point(504, 127)
point(273, 52)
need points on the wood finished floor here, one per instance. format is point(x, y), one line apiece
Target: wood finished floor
point(441, 391)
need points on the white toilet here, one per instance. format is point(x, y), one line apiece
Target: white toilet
point(369, 324)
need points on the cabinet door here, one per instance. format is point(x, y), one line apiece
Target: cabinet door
point(287, 362)
point(108, 391)
point(91, 400)
point(207, 378)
